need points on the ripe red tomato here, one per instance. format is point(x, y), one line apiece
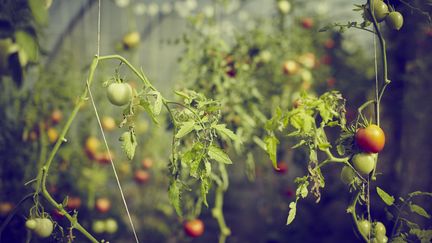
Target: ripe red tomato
point(370, 139)
point(141, 176)
point(56, 116)
point(73, 202)
point(194, 228)
point(104, 158)
point(329, 44)
point(5, 208)
point(103, 205)
point(282, 167)
point(147, 163)
point(307, 23)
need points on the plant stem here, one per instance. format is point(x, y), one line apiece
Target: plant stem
point(218, 214)
point(352, 208)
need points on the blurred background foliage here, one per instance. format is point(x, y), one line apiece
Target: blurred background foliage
point(252, 56)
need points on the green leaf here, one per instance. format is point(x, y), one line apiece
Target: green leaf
point(174, 195)
point(292, 212)
point(219, 155)
point(420, 193)
point(157, 107)
point(271, 145)
point(182, 94)
point(205, 188)
point(302, 189)
point(27, 43)
point(223, 131)
point(425, 236)
point(40, 13)
point(146, 105)
point(419, 210)
point(186, 128)
point(258, 141)
point(129, 144)
point(387, 199)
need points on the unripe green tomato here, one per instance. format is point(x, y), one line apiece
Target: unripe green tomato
point(347, 175)
point(380, 239)
point(364, 162)
point(394, 20)
point(364, 227)
point(380, 229)
point(380, 10)
point(98, 226)
point(30, 224)
point(44, 227)
point(111, 226)
point(119, 93)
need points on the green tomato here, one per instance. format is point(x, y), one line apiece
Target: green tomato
point(364, 227)
point(44, 227)
point(394, 20)
point(380, 239)
point(119, 93)
point(364, 162)
point(111, 226)
point(380, 229)
point(30, 224)
point(98, 226)
point(347, 175)
point(380, 10)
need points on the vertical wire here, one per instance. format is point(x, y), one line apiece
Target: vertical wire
point(103, 134)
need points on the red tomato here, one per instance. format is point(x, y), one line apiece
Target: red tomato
point(194, 228)
point(103, 205)
point(5, 208)
point(331, 82)
point(282, 167)
point(329, 44)
point(370, 139)
point(141, 176)
point(56, 116)
point(307, 23)
point(74, 202)
point(147, 163)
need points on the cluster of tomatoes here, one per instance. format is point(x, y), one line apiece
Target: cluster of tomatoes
point(42, 227)
point(393, 19)
point(378, 230)
point(370, 140)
